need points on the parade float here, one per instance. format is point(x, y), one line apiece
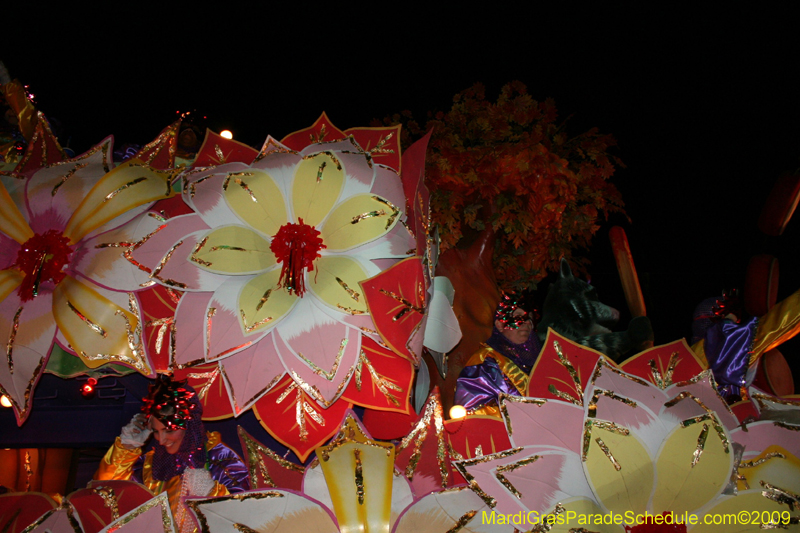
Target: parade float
point(301, 286)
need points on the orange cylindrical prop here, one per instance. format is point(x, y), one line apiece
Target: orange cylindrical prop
point(627, 272)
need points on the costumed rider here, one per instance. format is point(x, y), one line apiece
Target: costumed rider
point(184, 460)
point(504, 362)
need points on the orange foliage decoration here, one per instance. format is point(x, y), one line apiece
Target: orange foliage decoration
point(510, 166)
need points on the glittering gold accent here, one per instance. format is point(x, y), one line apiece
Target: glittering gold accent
point(197, 247)
point(10, 344)
point(383, 384)
point(571, 369)
point(762, 400)
point(163, 262)
point(709, 416)
point(603, 364)
point(608, 426)
point(547, 522)
point(503, 399)
point(249, 328)
point(370, 214)
point(195, 505)
point(417, 436)
point(191, 188)
point(563, 395)
point(607, 453)
point(28, 471)
point(256, 464)
point(237, 179)
point(359, 477)
point(761, 460)
point(781, 496)
point(22, 409)
point(220, 155)
point(208, 376)
point(320, 372)
point(350, 431)
point(67, 176)
point(350, 310)
point(664, 382)
point(329, 154)
point(115, 192)
point(96, 328)
point(784, 425)
point(164, 325)
point(462, 521)
point(592, 409)
point(209, 315)
point(390, 205)
point(353, 294)
point(502, 469)
point(302, 407)
point(478, 451)
point(408, 306)
point(157, 144)
point(707, 374)
point(292, 386)
point(109, 500)
point(243, 528)
point(313, 391)
point(461, 466)
point(701, 444)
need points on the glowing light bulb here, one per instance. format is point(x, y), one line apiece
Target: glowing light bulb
point(457, 411)
point(5, 401)
point(226, 134)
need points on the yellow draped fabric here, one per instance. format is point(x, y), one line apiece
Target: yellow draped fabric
point(118, 464)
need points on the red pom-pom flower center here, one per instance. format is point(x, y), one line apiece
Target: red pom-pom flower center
point(296, 246)
point(42, 259)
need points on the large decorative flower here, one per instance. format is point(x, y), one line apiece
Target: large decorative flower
point(270, 263)
point(604, 441)
point(45, 292)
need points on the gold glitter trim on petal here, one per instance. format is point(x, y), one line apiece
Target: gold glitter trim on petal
point(220, 155)
point(317, 370)
point(547, 522)
point(163, 262)
point(350, 310)
point(592, 409)
point(505, 398)
point(563, 395)
point(390, 205)
point(256, 465)
point(784, 425)
point(408, 306)
point(565, 362)
point(67, 176)
point(208, 376)
point(195, 505)
point(383, 384)
point(243, 528)
point(109, 500)
point(209, 315)
point(500, 470)
point(607, 453)
point(710, 416)
point(353, 294)
point(433, 412)
point(761, 460)
point(359, 477)
point(461, 466)
point(250, 327)
point(350, 431)
point(95, 327)
point(158, 501)
point(462, 521)
point(761, 399)
point(665, 381)
point(11, 338)
point(608, 426)
point(115, 192)
point(603, 364)
point(781, 496)
point(701, 444)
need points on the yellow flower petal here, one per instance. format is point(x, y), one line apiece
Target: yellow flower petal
point(626, 489)
point(233, 250)
point(10, 279)
point(262, 304)
point(358, 220)
point(335, 281)
point(676, 474)
point(318, 181)
point(129, 185)
point(775, 466)
point(12, 223)
point(96, 328)
point(256, 199)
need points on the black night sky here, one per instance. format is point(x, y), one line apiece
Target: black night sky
point(703, 101)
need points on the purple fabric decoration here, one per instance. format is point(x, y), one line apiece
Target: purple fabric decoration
point(728, 347)
point(480, 384)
